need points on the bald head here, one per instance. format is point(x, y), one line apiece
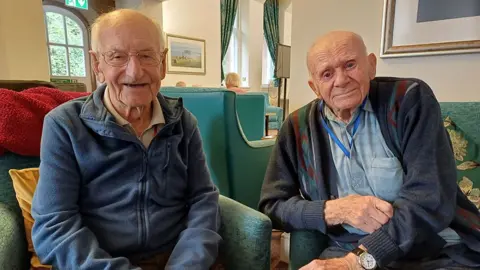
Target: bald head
point(122, 17)
point(335, 42)
point(340, 71)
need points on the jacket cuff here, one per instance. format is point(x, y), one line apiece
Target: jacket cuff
point(313, 216)
point(381, 246)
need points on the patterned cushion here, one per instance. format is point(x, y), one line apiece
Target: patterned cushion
point(467, 158)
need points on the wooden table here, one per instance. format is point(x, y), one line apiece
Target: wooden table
point(267, 116)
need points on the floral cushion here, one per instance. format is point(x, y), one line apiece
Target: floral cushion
point(467, 158)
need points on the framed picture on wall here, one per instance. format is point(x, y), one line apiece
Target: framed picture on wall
point(186, 55)
point(430, 27)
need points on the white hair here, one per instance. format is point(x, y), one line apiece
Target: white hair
point(112, 18)
point(232, 79)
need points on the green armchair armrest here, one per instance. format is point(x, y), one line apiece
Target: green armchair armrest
point(13, 245)
point(246, 237)
point(305, 246)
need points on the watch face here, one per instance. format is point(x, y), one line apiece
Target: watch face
point(367, 261)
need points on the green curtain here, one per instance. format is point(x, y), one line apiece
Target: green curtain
point(228, 10)
point(271, 30)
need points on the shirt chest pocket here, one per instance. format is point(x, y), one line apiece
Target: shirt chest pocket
point(386, 177)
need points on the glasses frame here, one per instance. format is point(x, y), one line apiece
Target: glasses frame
point(161, 57)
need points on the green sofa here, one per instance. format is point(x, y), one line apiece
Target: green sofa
point(237, 164)
point(246, 233)
point(307, 245)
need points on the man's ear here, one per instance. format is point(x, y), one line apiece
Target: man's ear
point(372, 64)
point(164, 64)
point(96, 66)
point(314, 89)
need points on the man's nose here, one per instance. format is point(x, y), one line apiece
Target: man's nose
point(134, 68)
point(341, 78)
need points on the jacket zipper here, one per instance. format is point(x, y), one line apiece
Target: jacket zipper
point(143, 223)
point(143, 183)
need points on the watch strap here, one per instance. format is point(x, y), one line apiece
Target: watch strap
point(358, 251)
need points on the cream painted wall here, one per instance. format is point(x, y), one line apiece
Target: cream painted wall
point(197, 19)
point(23, 45)
point(285, 23)
point(255, 43)
point(452, 77)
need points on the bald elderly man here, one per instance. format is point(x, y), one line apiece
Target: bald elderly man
point(369, 164)
point(123, 178)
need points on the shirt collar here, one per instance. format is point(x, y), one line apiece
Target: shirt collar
point(157, 113)
point(332, 117)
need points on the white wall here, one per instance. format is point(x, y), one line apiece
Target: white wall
point(23, 45)
point(285, 23)
point(452, 77)
point(255, 43)
point(197, 19)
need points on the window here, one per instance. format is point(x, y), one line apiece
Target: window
point(231, 61)
point(268, 67)
point(67, 45)
point(236, 58)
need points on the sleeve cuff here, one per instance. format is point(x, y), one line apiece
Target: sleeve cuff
point(313, 216)
point(381, 246)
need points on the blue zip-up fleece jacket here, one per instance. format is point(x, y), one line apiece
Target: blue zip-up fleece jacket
point(102, 197)
point(301, 177)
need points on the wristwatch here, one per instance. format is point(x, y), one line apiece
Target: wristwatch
point(365, 259)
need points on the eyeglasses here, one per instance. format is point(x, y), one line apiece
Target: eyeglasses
point(120, 59)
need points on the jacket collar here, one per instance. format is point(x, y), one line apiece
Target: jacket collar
point(157, 113)
point(95, 114)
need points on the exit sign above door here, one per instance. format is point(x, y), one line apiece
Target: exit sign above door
point(81, 4)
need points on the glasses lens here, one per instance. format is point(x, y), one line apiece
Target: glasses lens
point(116, 59)
point(149, 58)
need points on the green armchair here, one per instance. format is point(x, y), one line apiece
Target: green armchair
point(237, 164)
point(246, 233)
point(274, 121)
point(251, 114)
point(308, 245)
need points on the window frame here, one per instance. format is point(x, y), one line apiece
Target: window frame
point(267, 66)
point(67, 13)
point(238, 51)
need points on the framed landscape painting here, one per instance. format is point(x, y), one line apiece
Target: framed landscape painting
point(186, 55)
point(430, 27)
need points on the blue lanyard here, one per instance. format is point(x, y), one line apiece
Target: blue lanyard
point(356, 123)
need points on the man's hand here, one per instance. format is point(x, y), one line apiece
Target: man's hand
point(334, 264)
point(366, 213)
point(349, 262)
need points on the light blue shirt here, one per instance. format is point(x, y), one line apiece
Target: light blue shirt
point(372, 168)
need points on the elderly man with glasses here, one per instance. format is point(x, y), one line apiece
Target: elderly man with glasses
point(123, 178)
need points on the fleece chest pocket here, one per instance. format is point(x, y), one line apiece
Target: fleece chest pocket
point(169, 174)
point(386, 177)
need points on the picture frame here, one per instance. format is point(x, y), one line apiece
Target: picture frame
point(186, 55)
point(415, 28)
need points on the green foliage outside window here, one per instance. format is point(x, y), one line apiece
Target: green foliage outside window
point(66, 46)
